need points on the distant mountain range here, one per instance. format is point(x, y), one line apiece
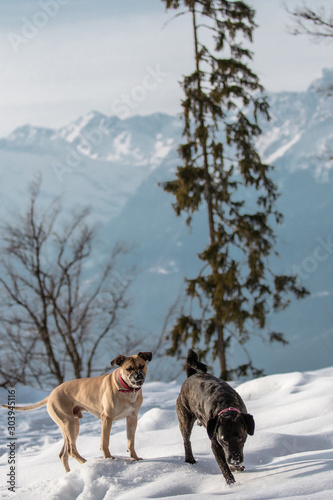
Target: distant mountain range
point(115, 165)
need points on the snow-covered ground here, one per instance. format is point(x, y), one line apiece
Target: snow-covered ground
point(290, 456)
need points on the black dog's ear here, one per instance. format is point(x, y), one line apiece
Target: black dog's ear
point(249, 423)
point(211, 426)
point(147, 356)
point(119, 360)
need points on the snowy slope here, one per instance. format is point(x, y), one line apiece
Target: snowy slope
point(289, 457)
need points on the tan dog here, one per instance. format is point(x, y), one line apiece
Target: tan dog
point(110, 397)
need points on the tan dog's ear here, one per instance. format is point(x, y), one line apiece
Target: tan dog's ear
point(147, 356)
point(119, 360)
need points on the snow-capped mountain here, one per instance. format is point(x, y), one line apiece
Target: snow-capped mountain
point(300, 130)
point(95, 159)
point(115, 166)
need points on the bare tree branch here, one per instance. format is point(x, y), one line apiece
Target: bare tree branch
point(315, 23)
point(53, 319)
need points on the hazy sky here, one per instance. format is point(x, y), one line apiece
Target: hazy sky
point(59, 59)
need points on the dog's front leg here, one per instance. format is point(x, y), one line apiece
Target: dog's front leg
point(106, 430)
point(131, 423)
point(222, 463)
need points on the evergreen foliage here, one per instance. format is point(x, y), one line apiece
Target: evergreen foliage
point(220, 168)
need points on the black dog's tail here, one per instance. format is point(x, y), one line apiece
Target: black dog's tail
point(193, 364)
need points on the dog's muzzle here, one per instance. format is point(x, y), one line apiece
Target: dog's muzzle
point(138, 378)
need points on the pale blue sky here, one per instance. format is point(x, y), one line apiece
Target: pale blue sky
point(59, 59)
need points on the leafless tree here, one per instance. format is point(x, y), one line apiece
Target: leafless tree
point(316, 23)
point(59, 302)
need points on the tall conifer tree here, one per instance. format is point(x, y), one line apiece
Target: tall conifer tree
point(221, 169)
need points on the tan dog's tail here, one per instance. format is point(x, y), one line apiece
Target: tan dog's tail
point(27, 408)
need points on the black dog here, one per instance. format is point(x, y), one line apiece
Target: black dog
point(218, 407)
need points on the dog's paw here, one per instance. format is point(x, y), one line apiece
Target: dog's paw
point(230, 479)
point(190, 460)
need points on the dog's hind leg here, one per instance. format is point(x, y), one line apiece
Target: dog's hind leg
point(69, 426)
point(71, 430)
point(63, 455)
point(186, 422)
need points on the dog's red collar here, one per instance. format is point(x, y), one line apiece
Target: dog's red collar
point(127, 388)
point(229, 409)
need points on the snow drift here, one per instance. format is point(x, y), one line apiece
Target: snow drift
point(290, 456)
